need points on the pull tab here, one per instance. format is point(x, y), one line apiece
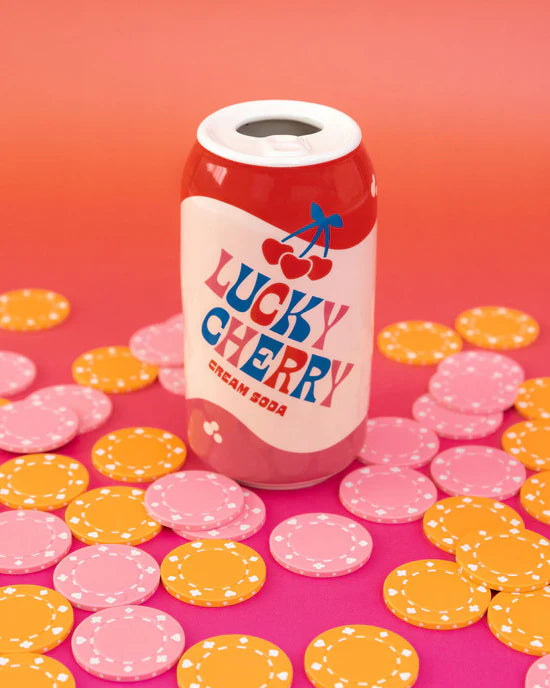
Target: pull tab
point(285, 144)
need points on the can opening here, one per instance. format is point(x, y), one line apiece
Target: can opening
point(261, 128)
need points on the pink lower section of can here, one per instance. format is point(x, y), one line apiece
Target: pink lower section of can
point(229, 447)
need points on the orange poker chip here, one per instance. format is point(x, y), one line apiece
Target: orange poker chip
point(433, 593)
point(138, 455)
point(502, 561)
point(522, 620)
point(213, 573)
point(33, 619)
point(111, 515)
point(30, 670)
point(529, 442)
point(450, 519)
point(32, 309)
point(496, 327)
point(234, 661)
point(535, 496)
point(113, 369)
point(533, 400)
point(41, 481)
point(355, 656)
point(418, 342)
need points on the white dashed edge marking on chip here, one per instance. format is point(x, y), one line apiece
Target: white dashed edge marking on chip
point(426, 438)
point(525, 401)
point(448, 481)
point(348, 633)
point(470, 320)
point(534, 495)
point(450, 539)
point(517, 433)
point(412, 609)
point(534, 644)
point(57, 614)
point(101, 494)
point(65, 463)
point(426, 494)
point(174, 581)
point(391, 334)
point(178, 515)
point(465, 427)
point(504, 578)
point(169, 441)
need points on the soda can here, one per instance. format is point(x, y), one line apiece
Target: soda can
point(278, 254)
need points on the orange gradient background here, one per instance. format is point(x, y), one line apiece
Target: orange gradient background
point(99, 106)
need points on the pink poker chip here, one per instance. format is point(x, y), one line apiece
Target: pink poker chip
point(92, 406)
point(320, 545)
point(477, 382)
point(247, 523)
point(102, 576)
point(387, 494)
point(160, 344)
point(173, 380)
point(31, 541)
point(452, 424)
point(538, 675)
point(129, 643)
point(398, 442)
point(17, 372)
point(194, 500)
point(487, 363)
point(32, 426)
point(478, 471)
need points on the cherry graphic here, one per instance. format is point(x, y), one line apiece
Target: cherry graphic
point(320, 267)
point(293, 267)
point(273, 250)
point(315, 267)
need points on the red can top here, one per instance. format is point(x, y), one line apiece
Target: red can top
point(279, 133)
point(295, 165)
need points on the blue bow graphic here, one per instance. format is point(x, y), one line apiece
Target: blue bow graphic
point(323, 224)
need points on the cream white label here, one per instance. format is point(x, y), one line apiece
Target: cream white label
point(289, 356)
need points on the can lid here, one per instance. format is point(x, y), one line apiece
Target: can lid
point(279, 133)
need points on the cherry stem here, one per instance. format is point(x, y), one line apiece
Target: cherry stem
point(312, 242)
point(299, 231)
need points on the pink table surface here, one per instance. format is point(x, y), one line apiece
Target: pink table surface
point(291, 609)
